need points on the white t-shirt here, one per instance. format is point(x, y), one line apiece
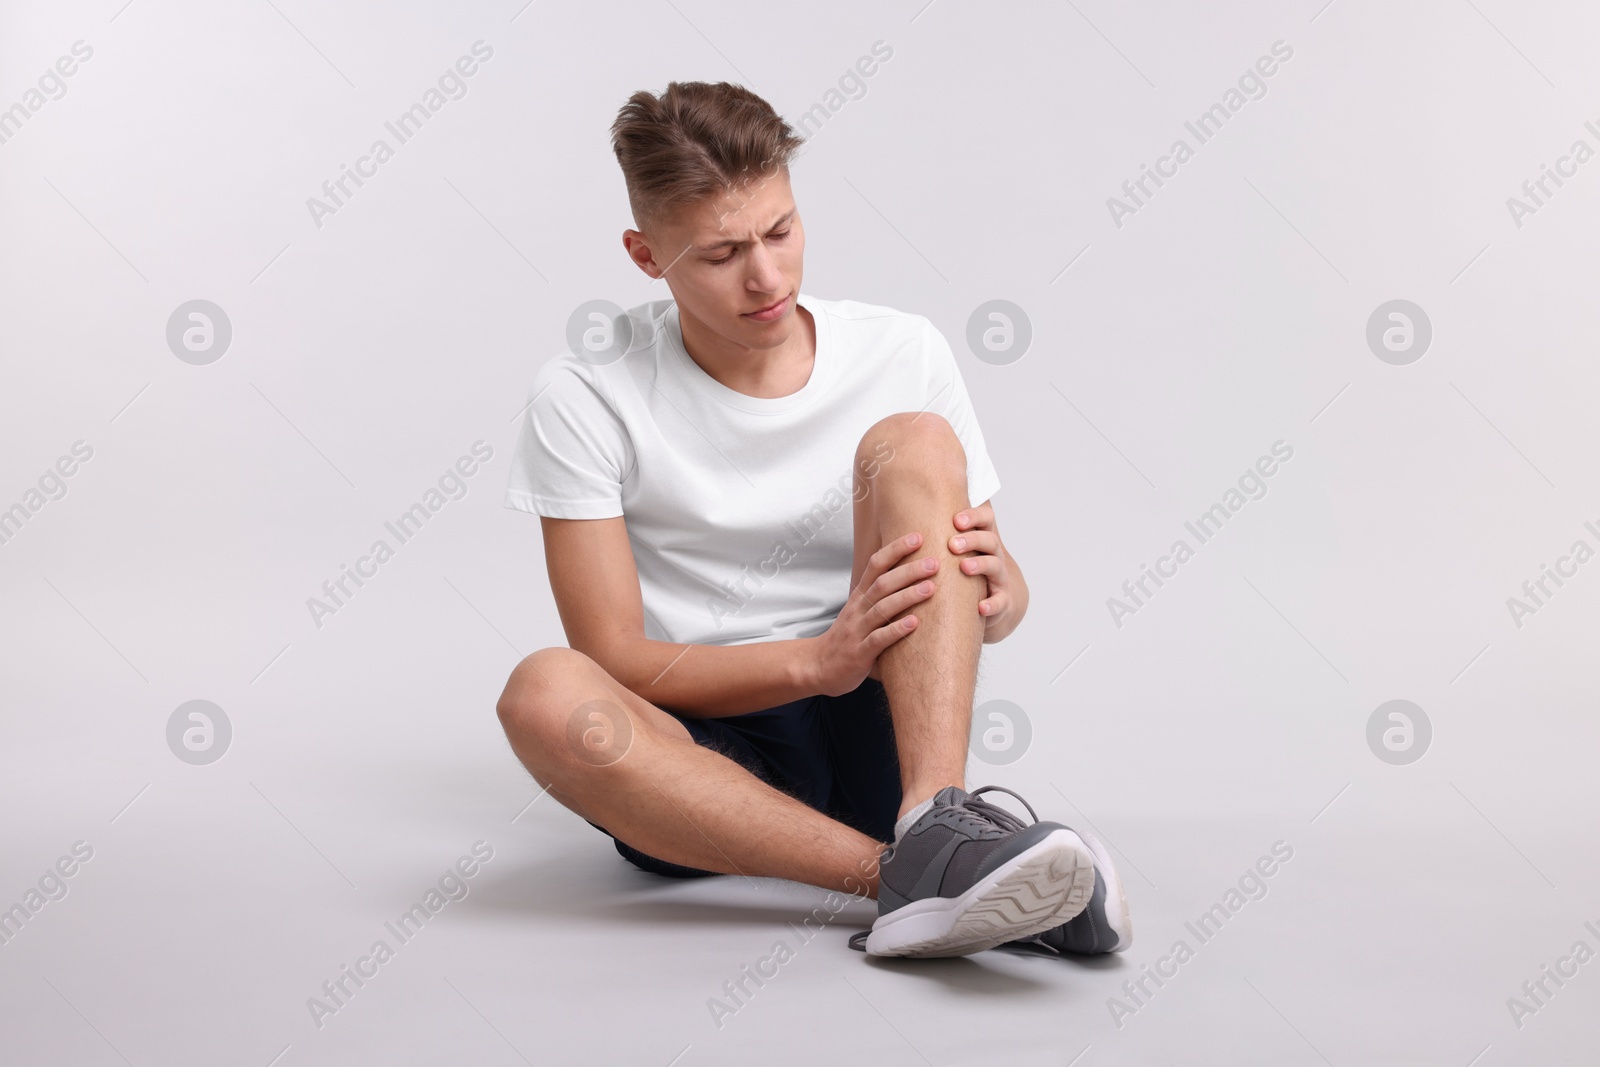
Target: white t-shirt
point(738, 508)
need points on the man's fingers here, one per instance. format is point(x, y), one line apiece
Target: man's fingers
point(970, 518)
point(884, 636)
point(976, 541)
point(885, 557)
point(897, 548)
point(902, 576)
point(895, 603)
point(989, 565)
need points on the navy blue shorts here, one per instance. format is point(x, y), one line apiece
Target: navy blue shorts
point(835, 754)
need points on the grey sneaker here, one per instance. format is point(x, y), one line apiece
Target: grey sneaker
point(969, 875)
point(1103, 925)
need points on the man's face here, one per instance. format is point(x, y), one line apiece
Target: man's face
point(727, 258)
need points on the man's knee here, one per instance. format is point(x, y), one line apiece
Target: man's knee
point(559, 714)
point(537, 686)
point(910, 443)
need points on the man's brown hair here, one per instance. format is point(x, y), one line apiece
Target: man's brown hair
point(694, 141)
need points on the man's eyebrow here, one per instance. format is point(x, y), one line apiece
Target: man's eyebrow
point(714, 245)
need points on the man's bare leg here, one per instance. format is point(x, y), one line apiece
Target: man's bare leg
point(623, 763)
point(1031, 878)
point(929, 675)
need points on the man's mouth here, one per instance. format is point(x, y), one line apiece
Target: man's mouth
point(768, 312)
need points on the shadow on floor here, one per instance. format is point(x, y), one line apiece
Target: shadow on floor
point(595, 886)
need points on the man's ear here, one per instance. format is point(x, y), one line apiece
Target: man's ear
point(640, 252)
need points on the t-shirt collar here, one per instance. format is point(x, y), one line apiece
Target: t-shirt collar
point(821, 367)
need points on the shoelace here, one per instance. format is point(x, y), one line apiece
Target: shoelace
point(996, 814)
point(983, 815)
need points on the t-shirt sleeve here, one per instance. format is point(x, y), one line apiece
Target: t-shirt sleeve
point(948, 397)
point(572, 452)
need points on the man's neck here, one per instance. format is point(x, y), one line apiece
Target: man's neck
point(766, 374)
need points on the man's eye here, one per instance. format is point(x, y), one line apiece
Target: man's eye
point(729, 256)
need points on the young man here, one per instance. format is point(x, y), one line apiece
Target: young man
point(768, 534)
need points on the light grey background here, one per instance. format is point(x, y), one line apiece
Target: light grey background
point(1168, 354)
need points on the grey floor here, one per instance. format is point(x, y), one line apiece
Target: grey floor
point(209, 902)
point(218, 899)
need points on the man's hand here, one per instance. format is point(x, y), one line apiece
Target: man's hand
point(844, 656)
point(1007, 601)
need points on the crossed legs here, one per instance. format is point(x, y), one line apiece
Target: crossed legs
point(651, 786)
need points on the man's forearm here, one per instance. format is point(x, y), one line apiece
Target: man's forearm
point(710, 681)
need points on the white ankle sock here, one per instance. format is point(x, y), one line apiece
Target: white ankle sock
point(910, 817)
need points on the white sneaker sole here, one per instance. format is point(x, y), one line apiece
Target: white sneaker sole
point(1117, 917)
point(1041, 888)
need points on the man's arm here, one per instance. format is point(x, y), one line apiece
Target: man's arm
point(596, 587)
